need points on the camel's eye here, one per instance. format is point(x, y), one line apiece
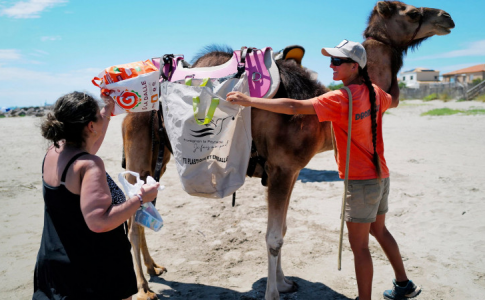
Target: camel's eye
point(413, 14)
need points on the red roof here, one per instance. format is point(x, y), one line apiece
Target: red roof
point(474, 69)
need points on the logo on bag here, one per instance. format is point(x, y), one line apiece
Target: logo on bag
point(128, 99)
point(213, 128)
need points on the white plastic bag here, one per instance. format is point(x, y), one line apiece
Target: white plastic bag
point(134, 86)
point(212, 149)
point(147, 215)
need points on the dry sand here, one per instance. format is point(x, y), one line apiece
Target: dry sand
point(215, 251)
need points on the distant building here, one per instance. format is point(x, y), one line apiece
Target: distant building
point(466, 75)
point(413, 78)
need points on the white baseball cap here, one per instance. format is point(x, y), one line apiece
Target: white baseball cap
point(352, 50)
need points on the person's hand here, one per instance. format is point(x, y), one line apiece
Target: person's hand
point(107, 110)
point(148, 192)
point(238, 98)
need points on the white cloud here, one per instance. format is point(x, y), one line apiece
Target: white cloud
point(50, 38)
point(30, 9)
point(39, 53)
point(452, 68)
point(42, 85)
point(9, 54)
point(474, 49)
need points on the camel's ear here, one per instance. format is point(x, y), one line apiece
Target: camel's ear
point(384, 8)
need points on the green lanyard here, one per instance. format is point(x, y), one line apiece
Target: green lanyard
point(196, 102)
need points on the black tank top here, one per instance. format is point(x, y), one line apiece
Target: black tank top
point(74, 262)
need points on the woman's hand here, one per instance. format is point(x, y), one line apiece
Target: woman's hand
point(109, 106)
point(238, 98)
point(148, 192)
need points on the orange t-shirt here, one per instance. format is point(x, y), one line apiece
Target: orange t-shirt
point(334, 106)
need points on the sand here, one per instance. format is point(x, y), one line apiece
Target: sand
point(215, 251)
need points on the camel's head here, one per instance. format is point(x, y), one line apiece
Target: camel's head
point(406, 24)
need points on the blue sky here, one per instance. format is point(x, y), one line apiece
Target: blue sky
point(52, 47)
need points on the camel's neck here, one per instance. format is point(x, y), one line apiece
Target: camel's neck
point(395, 52)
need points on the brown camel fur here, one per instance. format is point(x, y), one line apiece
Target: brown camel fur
point(286, 157)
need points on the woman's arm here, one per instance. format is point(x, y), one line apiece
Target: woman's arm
point(106, 116)
point(281, 105)
point(394, 92)
point(99, 213)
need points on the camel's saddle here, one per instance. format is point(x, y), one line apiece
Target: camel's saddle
point(259, 65)
point(263, 80)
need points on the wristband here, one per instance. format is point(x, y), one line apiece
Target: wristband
point(140, 198)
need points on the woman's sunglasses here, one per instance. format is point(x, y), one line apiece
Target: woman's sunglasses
point(338, 61)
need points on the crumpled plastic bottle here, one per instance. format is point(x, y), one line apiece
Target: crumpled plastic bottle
point(147, 215)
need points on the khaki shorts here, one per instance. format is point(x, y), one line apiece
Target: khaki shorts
point(366, 199)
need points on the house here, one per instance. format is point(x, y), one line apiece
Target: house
point(466, 75)
point(413, 78)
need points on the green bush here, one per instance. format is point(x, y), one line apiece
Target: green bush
point(476, 81)
point(445, 97)
point(332, 86)
point(402, 85)
point(430, 97)
point(480, 98)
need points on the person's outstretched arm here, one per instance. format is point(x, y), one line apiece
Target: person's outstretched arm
point(280, 105)
point(394, 92)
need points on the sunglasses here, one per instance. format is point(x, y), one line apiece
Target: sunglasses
point(338, 61)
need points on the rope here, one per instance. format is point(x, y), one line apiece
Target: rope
point(346, 181)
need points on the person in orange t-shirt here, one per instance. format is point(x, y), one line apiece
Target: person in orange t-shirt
point(368, 186)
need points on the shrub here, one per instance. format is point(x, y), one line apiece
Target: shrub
point(480, 98)
point(476, 81)
point(430, 97)
point(445, 97)
point(332, 86)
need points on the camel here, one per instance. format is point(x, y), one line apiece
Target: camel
point(393, 28)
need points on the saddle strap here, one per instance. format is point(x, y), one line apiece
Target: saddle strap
point(161, 146)
point(253, 161)
point(166, 59)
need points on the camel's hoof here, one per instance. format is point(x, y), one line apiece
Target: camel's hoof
point(157, 271)
point(149, 295)
point(294, 288)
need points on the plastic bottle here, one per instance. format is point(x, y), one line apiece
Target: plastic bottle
point(147, 215)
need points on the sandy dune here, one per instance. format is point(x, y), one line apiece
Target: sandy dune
point(215, 251)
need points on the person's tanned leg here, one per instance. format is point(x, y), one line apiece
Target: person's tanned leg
point(359, 242)
point(389, 245)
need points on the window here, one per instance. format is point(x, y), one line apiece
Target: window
point(404, 78)
point(411, 77)
point(471, 77)
point(436, 78)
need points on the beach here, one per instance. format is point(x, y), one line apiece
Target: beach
point(215, 251)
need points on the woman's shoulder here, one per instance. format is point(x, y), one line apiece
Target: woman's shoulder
point(90, 161)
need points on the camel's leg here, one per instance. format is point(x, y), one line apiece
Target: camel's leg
point(137, 234)
point(152, 268)
point(137, 142)
point(280, 276)
point(280, 184)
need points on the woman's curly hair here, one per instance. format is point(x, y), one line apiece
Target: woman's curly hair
point(71, 114)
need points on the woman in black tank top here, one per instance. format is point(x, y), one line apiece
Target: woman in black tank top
point(84, 251)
